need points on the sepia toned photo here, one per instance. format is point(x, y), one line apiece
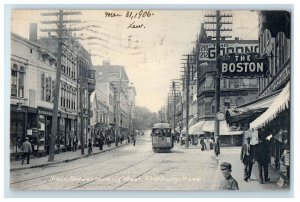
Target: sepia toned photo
point(150, 100)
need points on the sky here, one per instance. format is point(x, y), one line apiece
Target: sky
point(151, 53)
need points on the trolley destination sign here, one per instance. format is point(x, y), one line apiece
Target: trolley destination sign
point(244, 65)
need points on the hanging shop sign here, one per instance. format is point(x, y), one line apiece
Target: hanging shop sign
point(234, 65)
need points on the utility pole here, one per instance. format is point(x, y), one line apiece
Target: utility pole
point(187, 82)
point(60, 31)
point(218, 30)
point(187, 101)
point(174, 106)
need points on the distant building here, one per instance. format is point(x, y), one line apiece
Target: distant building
point(112, 82)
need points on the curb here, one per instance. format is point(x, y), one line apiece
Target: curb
point(66, 160)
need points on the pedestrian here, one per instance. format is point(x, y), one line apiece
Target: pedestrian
point(101, 142)
point(247, 158)
point(27, 150)
point(90, 147)
point(263, 158)
point(202, 144)
point(207, 144)
point(108, 141)
point(75, 142)
point(229, 183)
point(285, 157)
point(134, 139)
point(217, 146)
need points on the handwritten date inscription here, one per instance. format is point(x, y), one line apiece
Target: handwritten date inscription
point(132, 15)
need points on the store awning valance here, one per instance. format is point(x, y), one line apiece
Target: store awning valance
point(209, 126)
point(196, 129)
point(280, 104)
point(250, 111)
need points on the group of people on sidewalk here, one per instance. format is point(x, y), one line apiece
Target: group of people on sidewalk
point(260, 153)
point(249, 154)
point(101, 140)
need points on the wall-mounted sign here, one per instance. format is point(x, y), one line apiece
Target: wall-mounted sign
point(207, 51)
point(234, 65)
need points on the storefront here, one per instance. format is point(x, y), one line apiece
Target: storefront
point(274, 124)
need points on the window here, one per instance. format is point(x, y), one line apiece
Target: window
point(97, 116)
point(227, 102)
point(213, 107)
point(43, 87)
point(21, 82)
point(209, 83)
point(48, 89)
point(17, 81)
point(14, 79)
point(53, 91)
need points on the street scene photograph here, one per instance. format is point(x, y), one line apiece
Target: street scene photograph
point(150, 100)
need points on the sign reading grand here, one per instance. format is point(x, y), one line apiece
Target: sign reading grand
point(207, 51)
point(244, 65)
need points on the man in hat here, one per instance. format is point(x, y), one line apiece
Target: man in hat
point(229, 183)
point(26, 149)
point(247, 157)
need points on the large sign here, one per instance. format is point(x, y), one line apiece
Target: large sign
point(207, 51)
point(244, 65)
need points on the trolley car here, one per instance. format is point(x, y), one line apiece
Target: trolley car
point(162, 139)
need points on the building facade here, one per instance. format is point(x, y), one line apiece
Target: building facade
point(112, 82)
point(33, 74)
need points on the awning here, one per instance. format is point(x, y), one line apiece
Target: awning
point(196, 129)
point(209, 126)
point(280, 104)
point(192, 121)
point(250, 111)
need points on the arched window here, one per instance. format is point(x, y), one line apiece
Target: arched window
point(14, 80)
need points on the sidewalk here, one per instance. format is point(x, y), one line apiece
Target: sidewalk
point(232, 155)
point(60, 158)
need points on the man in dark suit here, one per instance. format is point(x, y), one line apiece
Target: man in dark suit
point(263, 158)
point(247, 157)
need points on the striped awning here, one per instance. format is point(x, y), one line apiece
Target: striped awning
point(280, 104)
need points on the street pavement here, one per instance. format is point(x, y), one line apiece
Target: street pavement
point(129, 167)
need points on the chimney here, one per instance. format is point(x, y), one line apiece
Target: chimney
point(236, 38)
point(33, 32)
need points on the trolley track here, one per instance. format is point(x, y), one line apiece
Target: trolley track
point(77, 168)
point(118, 171)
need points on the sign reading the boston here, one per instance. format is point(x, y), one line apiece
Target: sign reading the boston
point(234, 65)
